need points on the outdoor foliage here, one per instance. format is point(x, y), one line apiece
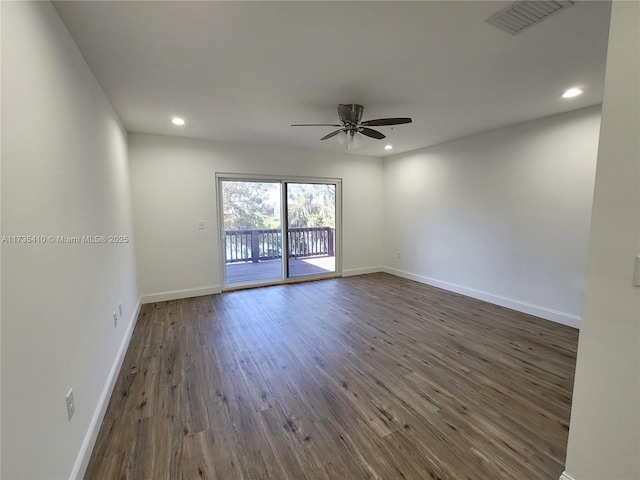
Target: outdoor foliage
point(311, 205)
point(254, 205)
point(250, 205)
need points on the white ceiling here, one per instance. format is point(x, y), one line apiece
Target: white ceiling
point(243, 72)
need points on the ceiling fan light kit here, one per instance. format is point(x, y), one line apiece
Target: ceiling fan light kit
point(349, 139)
point(352, 128)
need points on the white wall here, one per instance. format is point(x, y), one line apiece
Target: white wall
point(502, 216)
point(174, 187)
point(604, 438)
point(64, 172)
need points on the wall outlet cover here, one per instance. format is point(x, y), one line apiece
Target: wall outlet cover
point(71, 404)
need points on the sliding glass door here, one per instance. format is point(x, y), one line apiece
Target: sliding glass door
point(311, 226)
point(252, 226)
point(278, 230)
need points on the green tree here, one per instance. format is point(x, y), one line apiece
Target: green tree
point(311, 205)
point(248, 204)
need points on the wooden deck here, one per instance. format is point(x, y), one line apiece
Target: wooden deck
point(272, 269)
point(367, 377)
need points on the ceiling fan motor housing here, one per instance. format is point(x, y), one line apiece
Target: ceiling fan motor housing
point(350, 113)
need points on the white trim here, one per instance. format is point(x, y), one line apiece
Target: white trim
point(362, 271)
point(536, 310)
point(566, 476)
point(178, 294)
point(275, 177)
point(82, 460)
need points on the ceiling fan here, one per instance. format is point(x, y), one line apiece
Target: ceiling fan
point(351, 116)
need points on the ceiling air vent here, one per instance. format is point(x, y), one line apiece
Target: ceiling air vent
point(522, 15)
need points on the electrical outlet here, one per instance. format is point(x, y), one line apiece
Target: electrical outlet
point(399, 255)
point(120, 310)
point(115, 319)
point(71, 404)
point(200, 225)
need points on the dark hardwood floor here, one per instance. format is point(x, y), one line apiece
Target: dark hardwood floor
point(367, 377)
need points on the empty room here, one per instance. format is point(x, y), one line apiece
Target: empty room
point(325, 240)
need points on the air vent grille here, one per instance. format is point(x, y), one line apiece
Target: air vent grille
point(522, 15)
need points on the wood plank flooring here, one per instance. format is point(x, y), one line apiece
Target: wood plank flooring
point(272, 269)
point(367, 377)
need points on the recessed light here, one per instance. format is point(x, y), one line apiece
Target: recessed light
point(178, 121)
point(388, 147)
point(572, 92)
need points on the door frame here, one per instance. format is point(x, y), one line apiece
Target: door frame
point(283, 180)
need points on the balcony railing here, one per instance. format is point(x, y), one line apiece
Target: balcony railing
point(255, 245)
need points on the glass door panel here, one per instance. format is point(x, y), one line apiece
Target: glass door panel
point(252, 238)
point(311, 228)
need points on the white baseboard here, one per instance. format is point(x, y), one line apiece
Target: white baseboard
point(524, 307)
point(178, 294)
point(361, 271)
point(82, 461)
point(566, 476)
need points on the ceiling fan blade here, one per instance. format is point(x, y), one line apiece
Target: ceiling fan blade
point(316, 125)
point(371, 133)
point(333, 134)
point(380, 122)
point(346, 113)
